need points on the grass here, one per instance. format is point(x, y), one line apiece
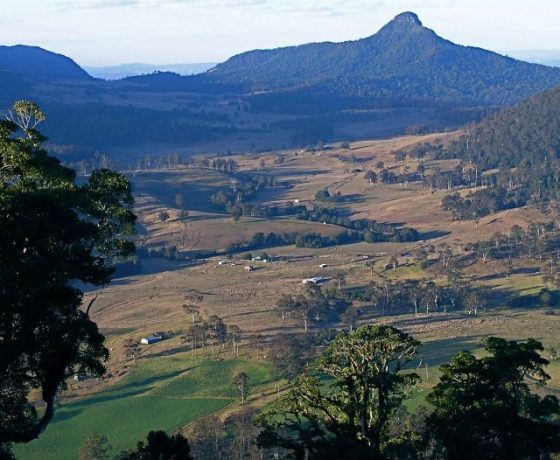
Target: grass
point(433, 354)
point(405, 272)
point(220, 232)
point(520, 284)
point(160, 394)
point(197, 185)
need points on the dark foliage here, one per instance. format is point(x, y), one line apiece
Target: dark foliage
point(350, 418)
point(160, 446)
point(123, 126)
point(370, 230)
point(523, 136)
point(518, 148)
point(53, 232)
point(485, 407)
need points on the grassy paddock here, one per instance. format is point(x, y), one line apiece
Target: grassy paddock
point(160, 394)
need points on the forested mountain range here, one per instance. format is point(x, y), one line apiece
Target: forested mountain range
point(403, 63)
point(403, 76)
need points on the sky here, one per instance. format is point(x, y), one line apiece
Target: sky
point(110, 32)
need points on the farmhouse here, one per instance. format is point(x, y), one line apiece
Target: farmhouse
point(314, 280)
point(151, 339)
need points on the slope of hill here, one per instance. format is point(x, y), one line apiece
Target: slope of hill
point(35, 62)
point(528, 133)
point(12, 85)
point(404, 62)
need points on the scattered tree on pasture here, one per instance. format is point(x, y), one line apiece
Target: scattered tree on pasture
point(242, 383)
point(95, 447)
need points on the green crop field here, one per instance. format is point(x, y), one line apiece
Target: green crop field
point(160, 394)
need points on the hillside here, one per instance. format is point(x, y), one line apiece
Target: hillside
point(12, 85)
point(525, 134)
point(402, 63)
point(35, 62)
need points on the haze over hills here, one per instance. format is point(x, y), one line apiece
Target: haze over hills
point(401, 77)
point(118, 72)
point(545, 57)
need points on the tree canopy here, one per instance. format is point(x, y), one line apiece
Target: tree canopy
point(160, 446)
point(53, 231)
point(485, 407)
point(348, 417)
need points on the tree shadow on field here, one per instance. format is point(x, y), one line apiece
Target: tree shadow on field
point(295, 172)
point(433, 234)
point(153, 266)
point(392, 224)
point(148, 382)
point(530, 271)
point(354, 198)
point(122, 391)
point(439, 352)
point(171, 351)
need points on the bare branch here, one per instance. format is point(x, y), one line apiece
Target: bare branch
point(90, 304)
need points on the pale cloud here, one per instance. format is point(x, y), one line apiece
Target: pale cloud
point(332, 6)
point(318, 8)
point(100, 32)
point(85, 4)
point(94, 4)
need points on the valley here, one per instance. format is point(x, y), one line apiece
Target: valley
point(333, 250)
point(153, 296)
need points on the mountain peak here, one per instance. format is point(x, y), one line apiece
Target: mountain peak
point(402, 23)
point(408, 17)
